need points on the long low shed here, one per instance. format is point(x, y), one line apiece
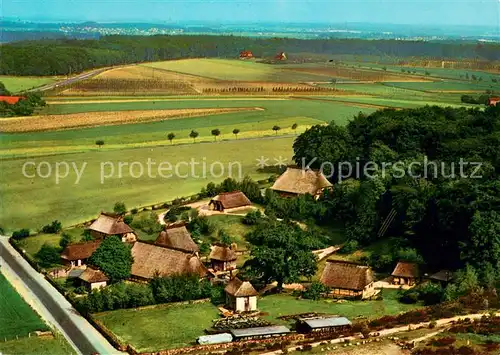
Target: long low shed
point(323, 324)
point(259, 332)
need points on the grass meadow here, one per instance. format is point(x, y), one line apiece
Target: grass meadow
point(160, 328)
point(252, 124)
point(37, 346)
point(281, 305)
point(16, 317)
point(19, 83)
point(235, 70)
point(153, 329)
point(34, 202)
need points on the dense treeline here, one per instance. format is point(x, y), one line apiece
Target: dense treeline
point(66, 56)
point(447, 211)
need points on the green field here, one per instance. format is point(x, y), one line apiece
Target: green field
point(34, 202)
point(251, 124)
point(19, 83)
point(235, 70)
point(445, 73)
point(160, 328)
point(16, 317)
point(282, 305)
point(37, 346)
point(459, 86)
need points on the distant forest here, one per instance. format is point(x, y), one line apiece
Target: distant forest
point(65, 56)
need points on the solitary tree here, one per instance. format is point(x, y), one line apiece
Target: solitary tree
point(276, 129)
point(114, 258)
point(65, 240)
point(280, 252)
point(171, 137)
point(236, 131)
point(215, 133)
point(120, 208)
point(48, 255)
point(194, 135)
point(99, 143)
point(294, 127)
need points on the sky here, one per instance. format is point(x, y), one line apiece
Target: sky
point(415, 12)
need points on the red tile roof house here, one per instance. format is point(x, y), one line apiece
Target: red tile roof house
point(493, 101)
point(77, 254)
point(229, 201)
point(11, 100)
point(246, 55)
point(108, 224)
point(280, 56)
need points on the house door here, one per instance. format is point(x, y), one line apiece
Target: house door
point(247, 304)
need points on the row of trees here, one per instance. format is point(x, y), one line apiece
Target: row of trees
point(67, 56)
point(217, 132)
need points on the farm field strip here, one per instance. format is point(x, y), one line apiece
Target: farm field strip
point(97, 100)
point(16, 317)
point(19, 83)
point(91, 119)
point(35, 149)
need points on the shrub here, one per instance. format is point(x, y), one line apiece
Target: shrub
point(54, 227)
point(134, 211)
point(21, 234)
point(65, 240)
point(120, 208)
point(128, 219)
point(48, 255)
point(315, 291)
point(147, 222)
point(349, 247)
point(252, 218)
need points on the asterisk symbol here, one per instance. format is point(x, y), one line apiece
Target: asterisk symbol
point(280, 161)
point(262, 162)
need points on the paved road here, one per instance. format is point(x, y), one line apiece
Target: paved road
point(71, 80)
point(51, 305)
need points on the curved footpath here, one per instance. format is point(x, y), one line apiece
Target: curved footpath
point(50, 304)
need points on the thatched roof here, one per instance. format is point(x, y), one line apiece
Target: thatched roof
point(406, 269)
point(92, 275)
point(233, 199)
point(346, 275)
point(110, 225)
point(238, 288)
point(177, 237)
point(301, 181)
point(80, 251)
point(222, 253)
point(150, 259)
point(442, 275)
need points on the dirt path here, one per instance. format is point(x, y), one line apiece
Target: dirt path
point(440, 323)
